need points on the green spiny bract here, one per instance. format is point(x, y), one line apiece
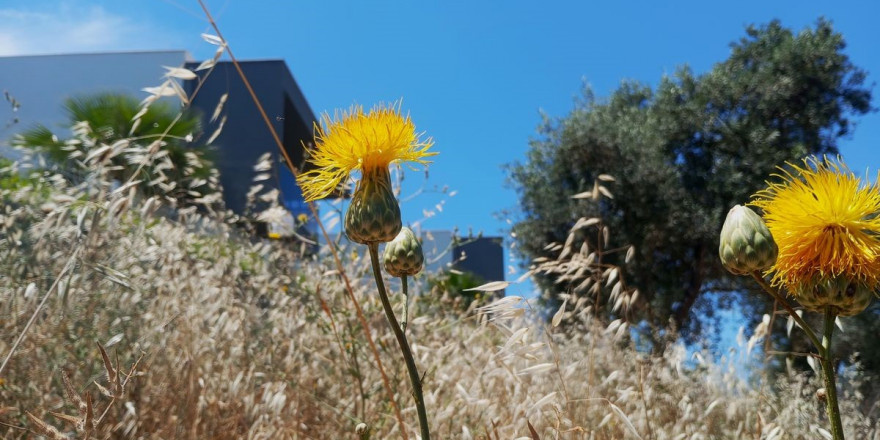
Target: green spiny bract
point(848, 297)
point(746, 244)
point(374, 215)
point(403, 256)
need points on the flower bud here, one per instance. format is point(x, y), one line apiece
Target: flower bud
point(403, 256)
point(363, 431)
point(746, 243)
point(847, 297)
point(374, 215)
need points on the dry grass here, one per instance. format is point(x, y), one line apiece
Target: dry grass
point(210, 333)
point(249, 339)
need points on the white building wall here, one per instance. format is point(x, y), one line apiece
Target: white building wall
point(41, 83)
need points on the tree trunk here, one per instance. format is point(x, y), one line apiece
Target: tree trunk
point(695, 285)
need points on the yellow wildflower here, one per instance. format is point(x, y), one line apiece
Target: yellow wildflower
point(369, 143)
point(826, 225)
point(358, 141)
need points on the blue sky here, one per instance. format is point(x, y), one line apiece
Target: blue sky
point(473, 74)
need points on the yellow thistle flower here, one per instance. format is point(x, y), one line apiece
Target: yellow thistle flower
point(358, 141)
point(825, 222)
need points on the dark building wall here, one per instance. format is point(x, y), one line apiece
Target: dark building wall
point(245, 136)
point(485, 258)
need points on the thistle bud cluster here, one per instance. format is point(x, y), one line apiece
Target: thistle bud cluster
point(374, 215)
point(403, 256)
point(847, 297)
point(746, 244)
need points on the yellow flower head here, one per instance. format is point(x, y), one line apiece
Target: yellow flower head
point(358, 141)
point(825, 223)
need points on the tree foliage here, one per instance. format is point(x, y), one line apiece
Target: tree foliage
point(158, 144)
point(683, 154)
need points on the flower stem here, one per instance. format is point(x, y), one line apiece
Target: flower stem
point(824, 348)
point(414, 378)
point(405, 303)
point(831, 407)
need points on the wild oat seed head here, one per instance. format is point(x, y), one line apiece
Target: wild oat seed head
point(825, 222)
point(358, 141)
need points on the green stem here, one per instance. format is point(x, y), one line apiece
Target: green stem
point(831, 407)
point(824, 347)
point(797, 318)
point(414, 378)
point(405, 303)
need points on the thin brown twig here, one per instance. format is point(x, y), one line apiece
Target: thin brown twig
point(22, 428)
point(791, 312)
point(295, 170)
point(342, 351)
point(118, 387)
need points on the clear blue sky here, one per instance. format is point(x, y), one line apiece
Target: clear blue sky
point(473, 74)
